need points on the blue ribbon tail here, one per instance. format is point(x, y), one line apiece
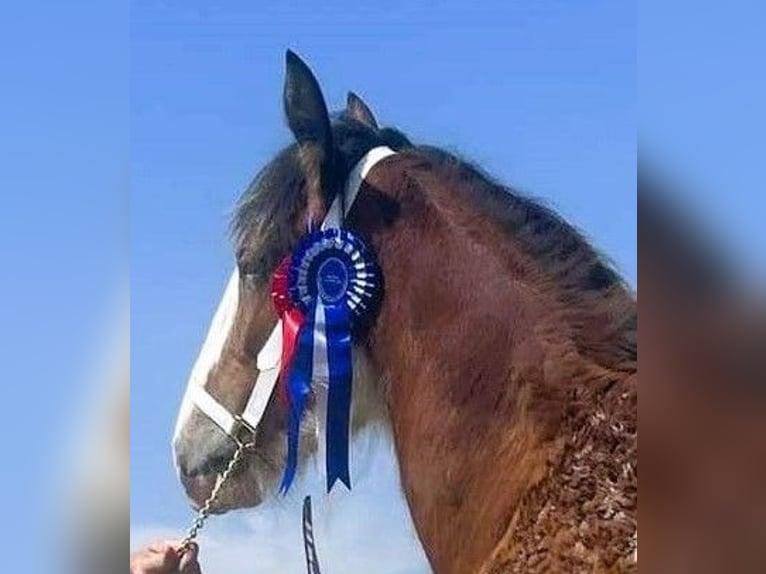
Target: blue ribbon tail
point(338, 328)
point(298, 389)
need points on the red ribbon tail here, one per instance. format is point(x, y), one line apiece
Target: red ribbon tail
point(292, 319)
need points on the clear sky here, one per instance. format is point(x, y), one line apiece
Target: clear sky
point(542, 95)
point(63, 245)
point(702, 117)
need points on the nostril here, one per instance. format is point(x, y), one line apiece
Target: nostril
point(213, 465)
point(193, 462)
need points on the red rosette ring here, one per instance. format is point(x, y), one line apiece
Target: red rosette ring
point(292, 319)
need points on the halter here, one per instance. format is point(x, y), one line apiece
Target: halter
point(242, 427)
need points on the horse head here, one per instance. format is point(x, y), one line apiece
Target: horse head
point(289, 195)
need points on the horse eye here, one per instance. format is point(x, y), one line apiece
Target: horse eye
point(248, 278)
point(244, 261)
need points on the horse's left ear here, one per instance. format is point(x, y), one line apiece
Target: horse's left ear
point(304, 104)
point(309, 121)
point(357, 109)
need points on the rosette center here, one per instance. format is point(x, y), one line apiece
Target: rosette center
point(332, 280)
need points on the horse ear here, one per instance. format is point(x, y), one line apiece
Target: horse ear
point(357, 109)
point(309, 121)
point(304, 104)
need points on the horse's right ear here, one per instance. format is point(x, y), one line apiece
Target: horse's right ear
point(304, 104)
point(357, 109)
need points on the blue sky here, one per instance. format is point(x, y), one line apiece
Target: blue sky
point(63, 244)
point(542, 95)
point(701, 116)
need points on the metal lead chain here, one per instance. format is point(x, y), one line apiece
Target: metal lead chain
point(204, 512)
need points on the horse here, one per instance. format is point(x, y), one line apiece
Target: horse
point(502, 356)
point(702, 415)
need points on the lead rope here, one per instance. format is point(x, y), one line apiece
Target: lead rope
point(312, 562)
point(204, 512)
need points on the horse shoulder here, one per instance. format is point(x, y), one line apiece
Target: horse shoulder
point(582, 517)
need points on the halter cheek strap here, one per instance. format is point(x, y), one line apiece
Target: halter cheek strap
point(236, 426)
point(241, 428)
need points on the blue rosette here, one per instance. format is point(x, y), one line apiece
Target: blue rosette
point(334, 280)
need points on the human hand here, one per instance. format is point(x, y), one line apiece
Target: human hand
point(165, 558)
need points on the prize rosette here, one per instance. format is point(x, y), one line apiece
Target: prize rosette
point(292, 319)
point(330, 280)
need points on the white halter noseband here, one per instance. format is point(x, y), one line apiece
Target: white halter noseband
point(242, 427)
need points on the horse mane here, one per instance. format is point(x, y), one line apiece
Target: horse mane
point(266, 215)
point(688, 262)
point(583, 280)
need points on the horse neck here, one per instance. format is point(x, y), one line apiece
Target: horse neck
point(478, 362)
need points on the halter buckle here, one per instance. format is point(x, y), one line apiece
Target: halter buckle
point(243, 432)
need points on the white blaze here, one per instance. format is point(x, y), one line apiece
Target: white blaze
point(221, 326)
point(270, 354)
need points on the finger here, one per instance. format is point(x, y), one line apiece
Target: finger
point(166, 549)
point(155, 559)
point(189, 564)
point(160, 547)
